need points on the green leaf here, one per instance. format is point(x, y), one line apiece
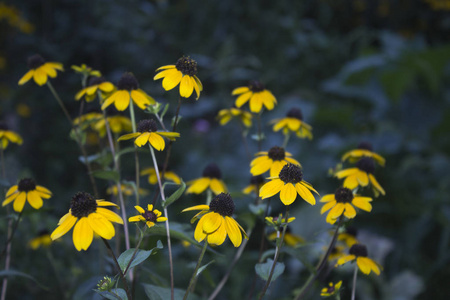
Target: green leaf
point(164, 111)
point(175, 196)
point(125, 151)
point(204, 267)
point(108, 175)
point(10, 273)
point(141, 255)
point(263, 270)
point(115, 294)
point(154, 292)
point(396, 82)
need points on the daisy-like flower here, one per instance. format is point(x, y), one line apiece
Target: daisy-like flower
point(216, 222)
point(293, 122)
point(128, 87)
point(362, 175)
point(26, 190)
point(256, 182)
point(225, 115)
point(358, 252)
point(364, 149)
point(168, 175)
point(184, 73)
point(86, 71)
point(290, 239)
point(211, 178)
point(7, 136)
point(88, 120)
point(95, 84)
point(150, 216)
point(331, 290)
point(147, 132)
point(43, 239)
point(88, 216)
point(274, 160)
point(257, 94)
point(342, 202)
point(348, 236)
point(289, 183)
point(126, 189)
point(40, 70)
point(117, 124)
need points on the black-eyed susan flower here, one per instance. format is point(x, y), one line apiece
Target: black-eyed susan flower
point(87, 216)
point(211, 178)
point(348, 236)
point(290, 239)
point(342, 202)
point(184, 73)
point(40, 70)
point(26, 190)
point(216, 222)
point(117, 124)
point(41, 240)
point(168, 175)
point(257, 94)
point(274, 160)
point(289, 183)
point(7, 136)
point(293, 122)
point(88, 120)
point(126, 189)
point(95, 84)
point(147, 133)
point(331, 290)
point(86, 71)
point(364, 149)
point(256, 182)
point(358, 252)
point(150, 216)
point(362, 175)
point(225, 115)
point(128, 88)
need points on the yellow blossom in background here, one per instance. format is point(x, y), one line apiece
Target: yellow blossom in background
point(358, 252)
point(150, 216)
point(86, 71)
point(7, 136)
point(184, 73)
point(26, 190)
point(293, 122)
point(364, 150)
point(117, 124)
point(40, 70)
point(215, 222)
point(127, 190)
point(23, 110)
point(256, 94)
point(331, 290)
point(147, 133)
point(88, 120)
point(274, 160)
point(95, 84)
point(43, 239)
point(348, 236)
point(211, 178)
point(256, 182)
point(12, 16)
point(225, 115)
point(336, 253)
point(87, 216)
point(277, 223)
point(168, 175)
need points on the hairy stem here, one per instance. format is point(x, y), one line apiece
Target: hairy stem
point(194, 275)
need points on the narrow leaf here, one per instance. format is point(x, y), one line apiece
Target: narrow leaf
point(175, 196)
point(107, 175)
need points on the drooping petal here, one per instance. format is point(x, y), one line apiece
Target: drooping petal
point(233, 231)
point(350, 211)
point(288, 194)
point(34, 199)
point(65, 224)
point(346, 172)
point(25, 78)
point(121, 100)
point(242, 99)
point(20, 201)
point(362, 203)
point(336, 211)
point(128, 136)
point(10, 199)
point(109, 101)
point(366, 265)
point(197, 207)
point(255, 103)
point(218, 236)
point(139, 209)
point(240, 90)
point(166, 67)
point(328, 198)
point(304, 192)
point(82, 234)
point(211, 222)
point(106, 87)
point(186, 86)
point(137, 218)
point(142, 139)
point(345, 259)
point(80, 94)
point(12, 190)
point(39, 76)
point(376, 185)
point(101, 225)
point(217, 186)
point(156, 141)
point(199, 235)
point(271, 188)
point(106, 203)
point(327, 206)
point(172, 78)
point(42, 189)
point(268, 99)
point(363, 178)
point(351, 182)
point(110, 215)
point(260, 165)
point(141, 100)
point(198, 185)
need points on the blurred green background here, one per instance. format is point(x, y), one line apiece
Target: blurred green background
point(360, 70)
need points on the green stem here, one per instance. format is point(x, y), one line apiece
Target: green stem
point(136, 156)
point(194, 275)
point(51, 259)
point(141, 237)
point(286, 139)
point(355, 275)
point(11, 232)
point(209, 196)
point(2, 156)
point(58, 99)
point(121, 274)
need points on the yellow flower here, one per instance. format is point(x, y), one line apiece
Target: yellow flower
point(128, 87)
point(257, 94)
point(336, 252)
point(276, 222)
point(168, 175)
point(43, 239)
point(86, 71)
point(225, 115)
point(117, 124)
point(127, 190)
point(88, 120)
point(364, 150)
point(216, 222)
point(23, 110)
point(342, 202)
point(211, 178)
point(149, 216)
point(293, 122)
point(7, 136)
point(365, 264)
point(88, 216)
point(289, 183)
point(184, 73)
point(147, 132)
point(275, 159)
point(349, 236)
point(40, 70)
point(362, 175)
point(95, 84)
point(256, 182)
point(331, 290)
point(290, 239)
point(26, 190)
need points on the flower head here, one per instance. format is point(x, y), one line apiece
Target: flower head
point(362, 175)
point(95, 84)
point(348, 236)
point(257, 94)
point(150, 216)
point(147, 132)
point(40, 70)
point(42, 239)
point(225, 115)
point(336, 252)
point(331, 290)
point(88, 120)
point(289, 183)
point(86, 70)
point(365, 264)
point(168, 175)
point(293, 122)
point(87, 216)
point(342, 202)
point(216, 222)
point(211, 178)
point(7, 136)
point(128, 87)
point(364, 149)
point(126, 189)
point(256, 182)
point(184, 73)
point(117, 123)
point(26, 190)
point(274, 160)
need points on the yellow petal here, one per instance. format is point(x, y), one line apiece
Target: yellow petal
point(110, 215)
point(106, 86)
point(128, 136)
point(101, 226)
point(199, 235)
point(10, 199)
point(139, 209)
point(172, 78)
point(218, 236)
point(233, 231)
point(39, 76)
point(304, 192)
point(166, 67)
point(106, 203)
point(136, 218)
point(362, 203)
point(186, 86)
point(276, 167)
point(142, 100)
point(268, 99)
point(327, 206)
point(197, 207)
point(142, 139)
point(65, 224)
point(156, 141)
point(199, 185)
point(328, 198)
point(376, 185)
point(109, 101)
point(217, 186)
point(197, 84)
point(82, 234)
point(240, 90)
point(351, 182)
point(350, 211)
point(363, 178)
point(242, 99)
point(211, 222)
point(20, 202)
point(25, 78)
point(11, 190)
point(346, 172)
point(271, 188)
point(260, 165)
point(121, 100)
point(255, 103)
point(336, 211)
point(288, 194)
point(34, 199)
point(345, 259)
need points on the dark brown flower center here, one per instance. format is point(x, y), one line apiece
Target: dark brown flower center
point(147, 125)
point(291, 173)
point(295, 113)
point(187, 66)
point(222, 204)
point(256, 86)
point(212, 171)
point(358, 250)
point(257, 180)
point(277, 153)
point(149, 216)
point(35, 61)
point(343, 195)
point(96, 80)
point(43, 232)
point(365, 145)
point(82, 205)
point(366, 164)
point(128, 82)
point(26, 185)
point(330, 289)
